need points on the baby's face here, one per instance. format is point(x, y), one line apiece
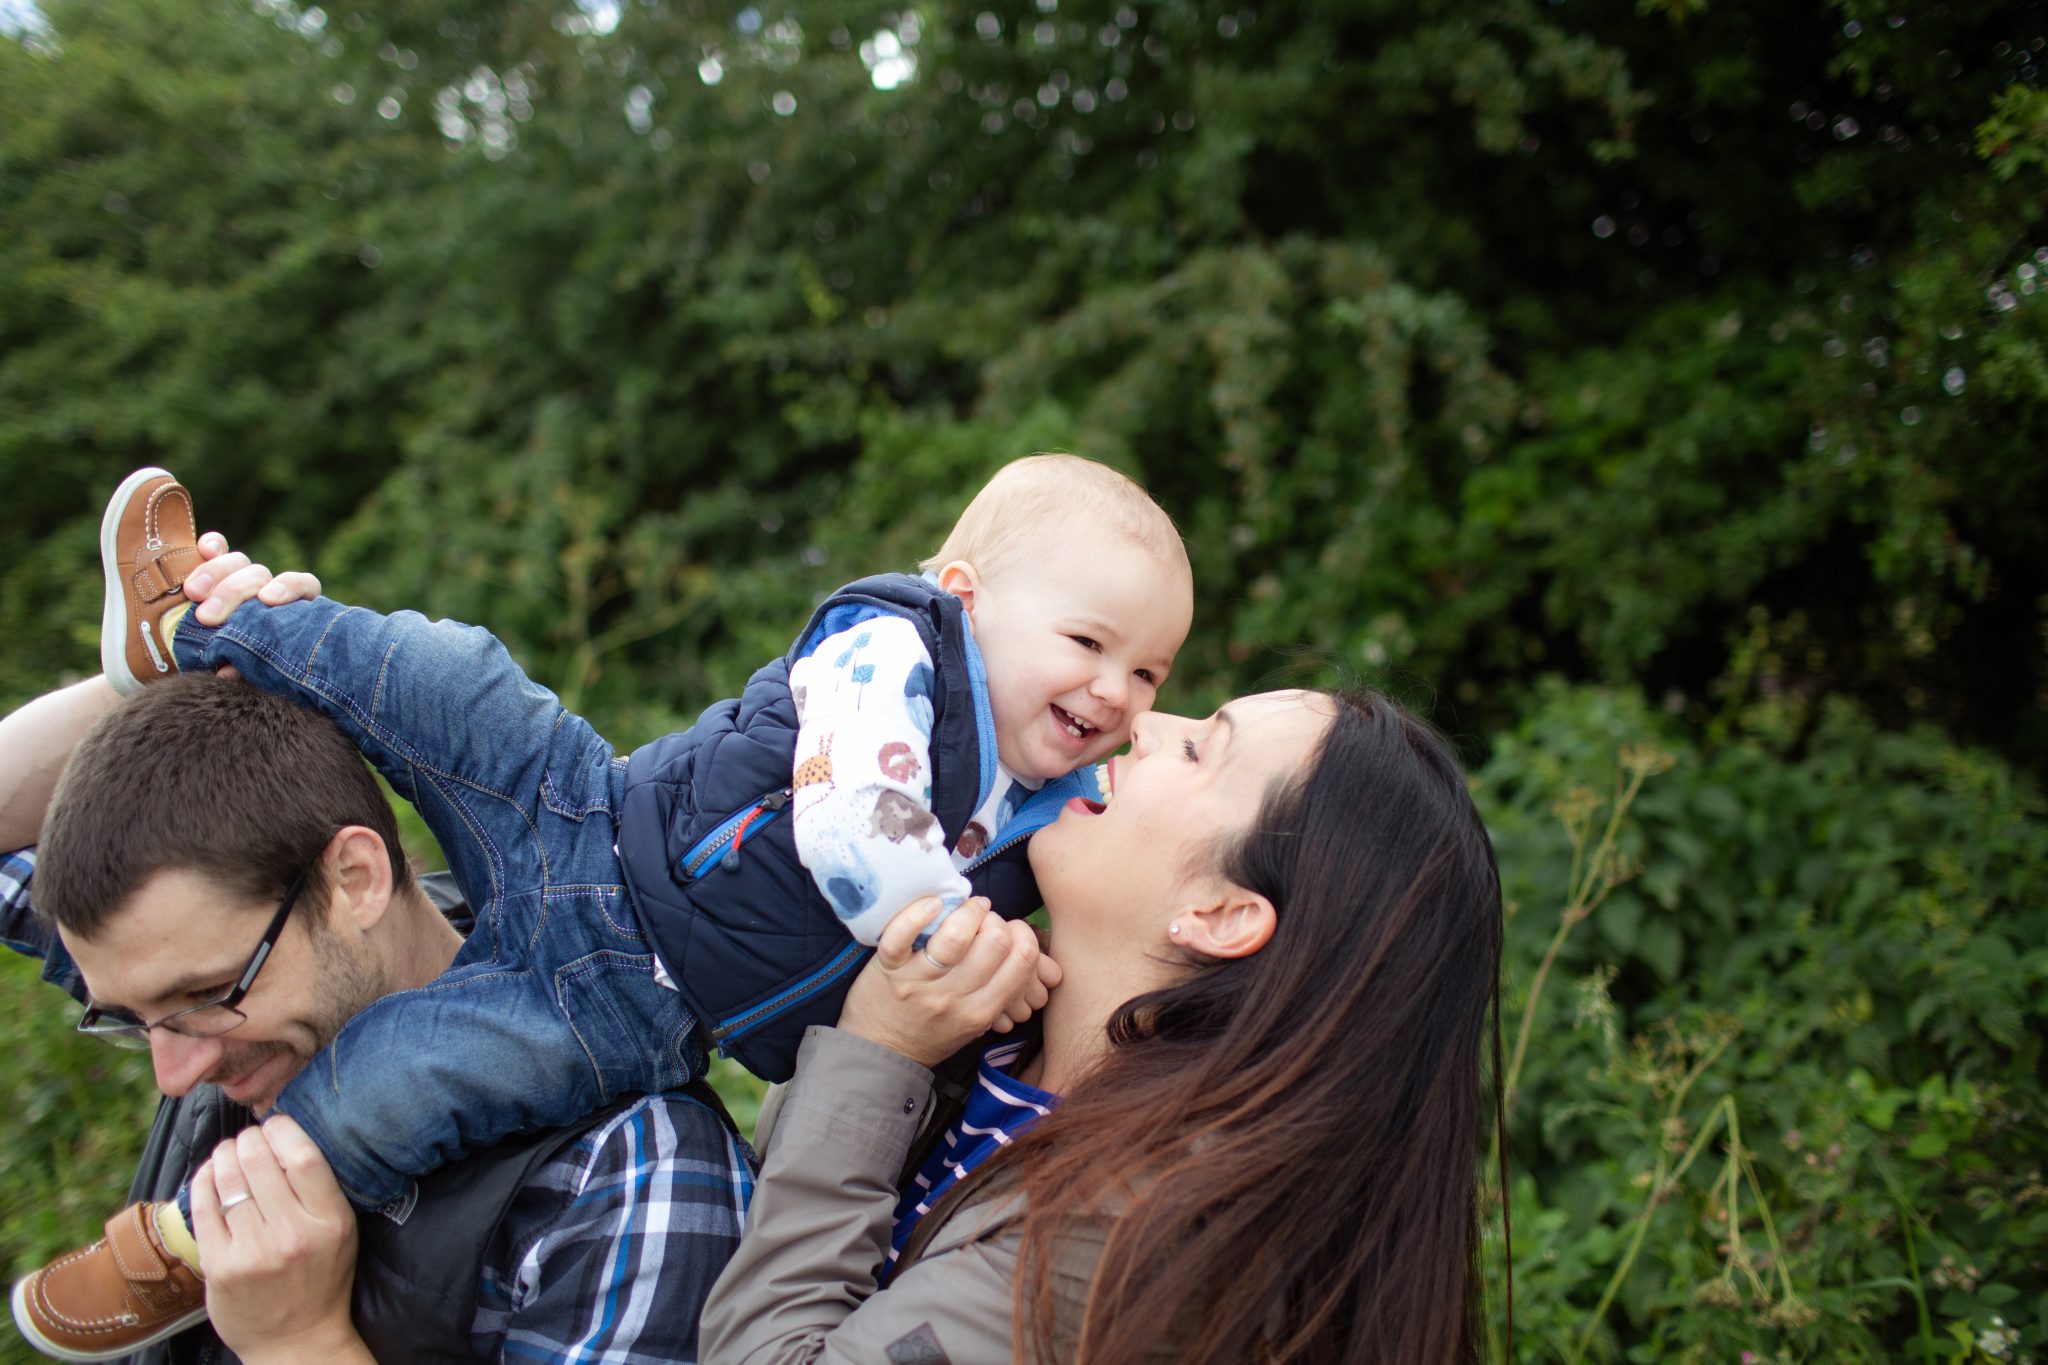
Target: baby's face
point(1075, 647)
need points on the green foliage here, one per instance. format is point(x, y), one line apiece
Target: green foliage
point(2015, 138)
point(1682, 343)
point(77, 1112)
point(1793, 1090)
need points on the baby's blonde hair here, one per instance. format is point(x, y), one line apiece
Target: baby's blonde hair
point(1008, 519)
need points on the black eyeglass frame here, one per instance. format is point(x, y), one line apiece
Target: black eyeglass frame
point(122, 1029)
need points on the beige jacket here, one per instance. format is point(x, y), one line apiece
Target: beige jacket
point(802, 1286)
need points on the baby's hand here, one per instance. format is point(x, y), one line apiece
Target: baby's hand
point(225, 579)
point(975, 973)
point(1035, 993)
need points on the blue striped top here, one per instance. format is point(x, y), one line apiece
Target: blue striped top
point(998, 1108)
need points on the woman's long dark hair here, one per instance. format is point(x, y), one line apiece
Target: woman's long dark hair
point(1283, 1149)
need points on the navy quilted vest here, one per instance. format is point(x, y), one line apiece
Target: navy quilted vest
point(711, 864)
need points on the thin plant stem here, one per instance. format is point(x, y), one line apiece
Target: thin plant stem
point(1582, 898)
point(1526, 1027)
point(1913, 1269)
point(1661, 1183)
point(1763, 1206)
point(1737, 1253)
point(1575, 832)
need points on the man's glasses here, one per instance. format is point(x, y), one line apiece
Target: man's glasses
point(209, 1020)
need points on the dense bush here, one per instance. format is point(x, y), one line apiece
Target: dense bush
point(1689, 343)
point(1783, 1088)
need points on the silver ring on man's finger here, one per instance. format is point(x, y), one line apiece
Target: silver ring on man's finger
point(235, 1201)
point(942, 966)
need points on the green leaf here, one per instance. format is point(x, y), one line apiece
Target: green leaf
point(1659, 943)
point(1881, 1109)
point(1930, 1143)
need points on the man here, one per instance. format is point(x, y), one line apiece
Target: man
point(225, 878)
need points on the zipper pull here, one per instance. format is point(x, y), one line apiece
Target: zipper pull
point(772, 802)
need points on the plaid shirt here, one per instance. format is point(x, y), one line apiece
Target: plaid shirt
point(611, 1249)
point(608, 1252)
point(19, 929)
point(15, 869)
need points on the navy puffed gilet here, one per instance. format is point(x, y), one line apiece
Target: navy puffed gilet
point(710, 860)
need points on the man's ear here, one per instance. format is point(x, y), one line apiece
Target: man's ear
point(1232, 923)
point(960, 579)
point(358, 869)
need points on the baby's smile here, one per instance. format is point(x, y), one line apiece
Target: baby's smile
point(1075, 726)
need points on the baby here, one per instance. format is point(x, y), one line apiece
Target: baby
point(631, 910)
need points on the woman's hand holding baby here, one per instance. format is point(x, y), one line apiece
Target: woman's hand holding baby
point(977, 972)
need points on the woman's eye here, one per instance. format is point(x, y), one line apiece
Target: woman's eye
point(1187, 748)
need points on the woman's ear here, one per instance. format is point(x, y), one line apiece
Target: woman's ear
point(1236, 923)
point(960, 579)
point(358, 869)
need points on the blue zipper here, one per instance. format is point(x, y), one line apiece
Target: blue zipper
point(843, 961)
point(1003, 846)
point(1043, 811)
point(724, 841)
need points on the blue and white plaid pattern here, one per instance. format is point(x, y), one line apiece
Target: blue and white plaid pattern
point(21, 928)
point(609, 1251)
point(27, 932)
point(15, 871)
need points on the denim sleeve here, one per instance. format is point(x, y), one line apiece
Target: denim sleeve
point(26, 931)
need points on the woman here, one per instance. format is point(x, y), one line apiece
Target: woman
point(1260, 1080)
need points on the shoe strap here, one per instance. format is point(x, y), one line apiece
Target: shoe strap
point(162, 574)
point(156, 1280)
point(131, 1236)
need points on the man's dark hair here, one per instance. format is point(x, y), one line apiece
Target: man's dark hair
point(207, 775)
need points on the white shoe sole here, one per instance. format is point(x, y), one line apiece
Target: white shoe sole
point(50, 1348)
point(114, 623)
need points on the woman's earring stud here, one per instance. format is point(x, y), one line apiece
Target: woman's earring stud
point(1174, 928)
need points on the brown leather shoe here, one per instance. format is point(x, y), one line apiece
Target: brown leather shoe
point(148, 543)
point(118, 1295)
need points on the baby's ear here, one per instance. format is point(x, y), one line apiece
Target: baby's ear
point(960, 579)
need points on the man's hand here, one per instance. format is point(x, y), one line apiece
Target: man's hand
point(225, 579)
point(278, 1240)
point(976, 973)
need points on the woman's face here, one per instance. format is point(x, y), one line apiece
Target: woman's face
point(1185, 788)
